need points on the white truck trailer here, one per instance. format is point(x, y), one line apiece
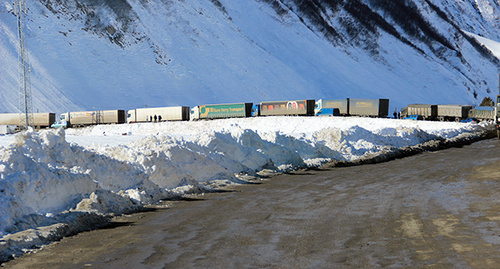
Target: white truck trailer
point(84, 118)
point(157, 114)
point(39, 119)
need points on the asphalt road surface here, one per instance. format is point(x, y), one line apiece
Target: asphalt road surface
point(436, 209)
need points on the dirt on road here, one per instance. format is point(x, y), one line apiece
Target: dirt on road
point(436, 209)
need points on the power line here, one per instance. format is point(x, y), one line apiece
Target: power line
point(25, 101)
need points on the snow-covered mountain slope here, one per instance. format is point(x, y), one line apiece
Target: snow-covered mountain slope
point(123, 54)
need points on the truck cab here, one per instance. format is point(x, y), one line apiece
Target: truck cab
point(59, 124)
point(195, 113)
point(255, 110)
point(319, 110)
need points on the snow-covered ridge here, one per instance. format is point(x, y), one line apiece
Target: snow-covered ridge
point(492, 45)
point(89, 55)
point(46, 180)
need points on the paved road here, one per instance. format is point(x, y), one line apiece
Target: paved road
point(438, 210)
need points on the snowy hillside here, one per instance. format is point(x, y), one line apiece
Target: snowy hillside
point(88, 54)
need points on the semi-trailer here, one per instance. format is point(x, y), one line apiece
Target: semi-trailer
point(453, 112)
point(427, 112)
point(39, 119)
point(369, 107)
point(177, 113)
point(220, 111)
point(287, 108)
point(482, 113)
point(84, 118)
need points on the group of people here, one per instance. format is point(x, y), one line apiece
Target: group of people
point(155, 118)
point(396, 114)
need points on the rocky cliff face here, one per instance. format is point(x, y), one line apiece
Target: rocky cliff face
point(122, 54)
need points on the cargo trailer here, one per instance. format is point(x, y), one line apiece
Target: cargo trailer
point(84, 118)
point(287, 108)
point(39, 119)
point(427, 112)
point(177, 113)
point(453, 112)
point(369, 107)
point(483, 113)
point(220, 111)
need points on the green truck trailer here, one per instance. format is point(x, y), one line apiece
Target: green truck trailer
point(221, 111)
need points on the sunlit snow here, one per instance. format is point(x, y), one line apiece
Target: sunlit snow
point(77, 175)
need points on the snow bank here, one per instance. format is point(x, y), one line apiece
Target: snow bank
point(84, 175)
point(41, 175)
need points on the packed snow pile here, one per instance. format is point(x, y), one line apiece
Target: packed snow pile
point(56, 182)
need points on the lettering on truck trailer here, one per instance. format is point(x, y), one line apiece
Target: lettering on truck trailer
point(364, 104)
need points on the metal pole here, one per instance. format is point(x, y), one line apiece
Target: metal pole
point(25, 104)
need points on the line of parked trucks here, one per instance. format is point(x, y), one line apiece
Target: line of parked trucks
point(341, 107)
point(448, 112)
point(345, 107)
point(352, 107)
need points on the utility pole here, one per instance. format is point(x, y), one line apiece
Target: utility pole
point(97, 116)
point(25, 102)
